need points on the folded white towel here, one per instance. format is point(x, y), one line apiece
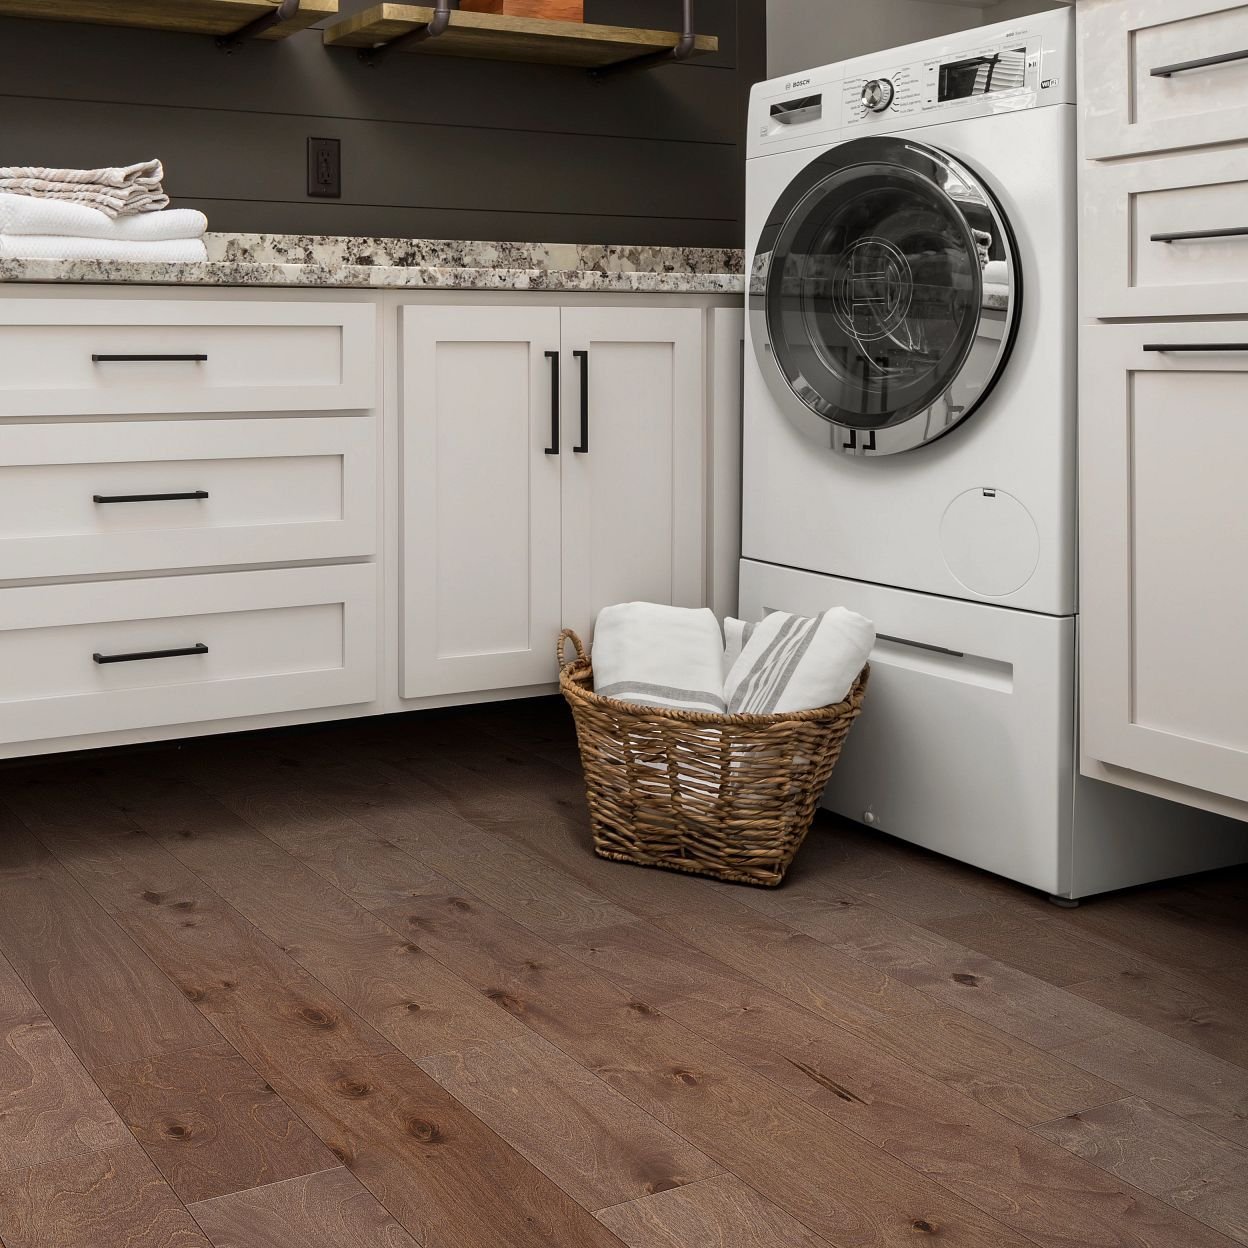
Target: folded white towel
point(28, 214)
point(54, 247)
point(996, 273)
point(659, 656)
point(115, 191)
point(798, 663)
point(736, 634)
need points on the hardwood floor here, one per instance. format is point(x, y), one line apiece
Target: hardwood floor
point(367, 986)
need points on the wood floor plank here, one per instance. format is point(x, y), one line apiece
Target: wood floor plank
point(438, 1169)
point(722, 1212)
point(417, 1004)
point(1028, 1184)
point(91, 979)
point(847, 1190)
point(329, 1209)
point(1051, 950)
point(211, 1124)
point(272, 1011)
point(1188, 1082)
point(1177, 1005)
point(600, 1148)
point(1168, 1156)
point(113, 1199)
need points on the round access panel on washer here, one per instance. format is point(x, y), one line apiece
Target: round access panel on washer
point(990, 542)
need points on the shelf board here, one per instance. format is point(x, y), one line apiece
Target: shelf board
point(196, 17)
point(494, 37)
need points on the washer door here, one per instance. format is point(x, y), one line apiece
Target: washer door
point(884, 296)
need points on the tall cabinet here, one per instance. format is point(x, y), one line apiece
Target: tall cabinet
point(1163, 422)
point(553, 462)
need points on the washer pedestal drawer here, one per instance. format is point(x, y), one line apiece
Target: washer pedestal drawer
point(107, 656)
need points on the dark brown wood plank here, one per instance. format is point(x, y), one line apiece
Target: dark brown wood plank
point(329, 1210)
point(1154, 1150)
point(600, 1148)
point(211, 1124)
point(1030, 1185)
point(113, 1199)
point(49, 1106)
point(1176, 1004)
point(417, 1004)
point(722, 1212)
point(104, 995)
point(1188, 1082)
point(845, 1189)
point(436, 1167)
point(1051, 951)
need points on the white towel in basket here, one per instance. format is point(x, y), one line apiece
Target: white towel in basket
point(798, 663)
point(655, 655)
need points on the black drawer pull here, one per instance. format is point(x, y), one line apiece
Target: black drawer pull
point(149, 359)
point(553, 357)
point(1195, 346)
point(148, 498)
point(139, 656)
point(1180, 67)
point(582, 447)
point(1186, 236)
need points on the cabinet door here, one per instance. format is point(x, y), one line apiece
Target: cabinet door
point(1163, 542)
point(1159, 75)
point(634, 514)
point(481, 556)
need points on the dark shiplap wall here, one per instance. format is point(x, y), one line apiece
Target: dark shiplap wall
point(432, 146)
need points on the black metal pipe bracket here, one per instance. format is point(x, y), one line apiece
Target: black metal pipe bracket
point(683, 50)
point(436, 26)
point(285, 12)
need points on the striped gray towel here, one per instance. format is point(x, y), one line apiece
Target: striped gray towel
point(114, 192)
point(796, 662)
point(656, 655)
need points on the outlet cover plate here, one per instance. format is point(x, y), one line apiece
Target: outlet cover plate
point(325, 168)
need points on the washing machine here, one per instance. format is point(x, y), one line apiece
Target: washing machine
point(910, 444)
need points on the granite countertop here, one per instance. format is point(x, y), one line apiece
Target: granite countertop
point(309, 260)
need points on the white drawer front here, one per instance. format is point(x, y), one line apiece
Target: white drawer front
point(83, 499)
point(63, 357)
point(262, 642)
point(1161, 235)
point(1130, 107)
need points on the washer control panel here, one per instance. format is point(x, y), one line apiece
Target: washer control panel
point(969, 82)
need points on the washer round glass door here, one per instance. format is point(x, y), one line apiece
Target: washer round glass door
point(884, 296)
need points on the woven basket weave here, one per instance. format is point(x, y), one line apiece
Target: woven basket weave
point(729, 796)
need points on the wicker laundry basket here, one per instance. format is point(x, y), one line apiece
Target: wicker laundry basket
point(729, 796)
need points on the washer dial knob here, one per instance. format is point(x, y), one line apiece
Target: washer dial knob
point(877, 95)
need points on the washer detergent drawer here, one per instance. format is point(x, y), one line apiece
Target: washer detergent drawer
point(966, 740)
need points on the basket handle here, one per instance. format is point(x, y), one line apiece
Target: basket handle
point(569, 634)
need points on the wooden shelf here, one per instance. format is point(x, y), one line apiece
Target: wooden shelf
point(196, 17)
point(492, 37)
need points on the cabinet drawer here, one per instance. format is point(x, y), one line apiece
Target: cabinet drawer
point(1167, 236)
point(1157, 75)
point(81, 499)
point(254, 643)
point(67, 357)
point(1163, 438)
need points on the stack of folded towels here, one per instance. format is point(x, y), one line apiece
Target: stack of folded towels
point(96, 214)
point(677, 658)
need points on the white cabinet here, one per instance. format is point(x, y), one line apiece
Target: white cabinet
point(554, 462)
point(481, 559)
point(1164, 455)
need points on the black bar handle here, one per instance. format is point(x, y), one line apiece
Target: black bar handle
point(1180, 67)
point(582, 447)
point(553, 357)
point(1195, 346)
point(148, 498)
point(148, 359)
point(139, 656)
point(1184, 236)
